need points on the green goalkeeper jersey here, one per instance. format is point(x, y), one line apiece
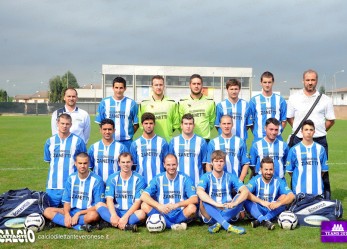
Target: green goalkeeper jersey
point(204, 112)
point(166, 116)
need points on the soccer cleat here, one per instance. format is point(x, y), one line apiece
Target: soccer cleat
point(268, 224)
point(214, 228)
point(50, 225)
point(255, 223)
point(102, 224)
point(129, 227)
point(235, 229)
point(86, 227)
point(179, 227)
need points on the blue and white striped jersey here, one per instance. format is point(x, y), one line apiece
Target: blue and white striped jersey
point(239, 113)
point(122, 112)
point(236, 153)
point(191, 154)
point(167, 191)
point(148, 155)
point(220, 189)
point(307, 164)
point(278, 151)
point(261, 108)
point(86, 193)
point(61, 153)
point(124, 192)
point(268, 191)
point(104, 158)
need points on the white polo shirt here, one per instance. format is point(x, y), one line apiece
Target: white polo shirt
point(298, 106)
point(80, 122)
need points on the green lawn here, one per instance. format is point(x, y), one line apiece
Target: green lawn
point(21, 165)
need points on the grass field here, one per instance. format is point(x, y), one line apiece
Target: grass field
point(21, 165)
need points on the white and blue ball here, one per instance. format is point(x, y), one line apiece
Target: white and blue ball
point(155, 223)
point(34, 222)
point(287, 220)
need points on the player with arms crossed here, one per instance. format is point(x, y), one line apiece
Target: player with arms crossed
point(104, 153)
point(172, 194)
point(123, 191)
point(60, 151)
point(202, 108)
point(163, 108)
point(83, 191)
point(236, 107)
point(217, 206)
point(122, 110)
point(268, 195)
point(307, 163)
point(149, 150)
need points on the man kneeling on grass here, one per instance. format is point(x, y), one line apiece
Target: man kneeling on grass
point(171, 193)
point(217, 206)
point(83, 191)
point(268, 195)
point(123, 191)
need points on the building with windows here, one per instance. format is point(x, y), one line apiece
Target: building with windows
point(138, 80)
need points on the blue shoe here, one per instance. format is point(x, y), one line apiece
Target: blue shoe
point(214, 228)
point(235, 229)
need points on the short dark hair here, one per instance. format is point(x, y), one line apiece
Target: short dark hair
point(70, 88)
point(83, 155)
point(196, 76)
point(188, 116)
point(107, 121)
point(308, 122)
point(272, 121)
point(147, 116)
point(125, 154)
point(64, 116)
point(233, 82)
point(266, 159)
point(157, 77)
point(119, 80)
point(267, 74)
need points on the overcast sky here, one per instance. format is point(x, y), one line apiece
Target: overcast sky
point(41, 39)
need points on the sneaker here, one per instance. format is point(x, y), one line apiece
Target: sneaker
point(86, 227)
point(255, 223)
point(215, 228)
point(268, 224)
point(235, 229)
point(179, 227)
point(129, 227)
point(102, 224)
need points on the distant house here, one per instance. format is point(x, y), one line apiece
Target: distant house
point(38, 97)
point(339, 96)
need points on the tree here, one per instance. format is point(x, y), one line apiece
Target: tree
point(3, 96)
point(58, 84)
point(321, 89)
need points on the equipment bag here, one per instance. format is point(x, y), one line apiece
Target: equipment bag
point(311, 210)
point(15, 205)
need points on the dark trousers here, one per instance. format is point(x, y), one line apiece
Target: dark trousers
point(326, 182)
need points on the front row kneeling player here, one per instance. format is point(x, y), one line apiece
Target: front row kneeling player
point(83, 191)
point(217, 207)
point(171, 193)
point(123, 191)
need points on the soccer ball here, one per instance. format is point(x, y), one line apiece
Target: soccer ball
point(155, 223)
point(34, 222)
point(287, 220)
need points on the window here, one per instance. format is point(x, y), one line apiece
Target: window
point(110, 77)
